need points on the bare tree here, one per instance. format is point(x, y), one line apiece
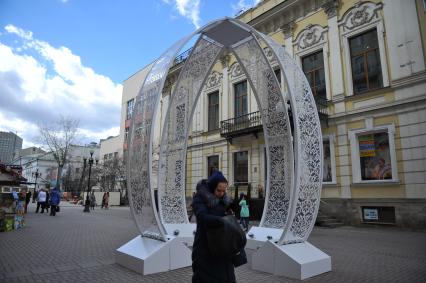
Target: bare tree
point(58, 137)
point(111, 173)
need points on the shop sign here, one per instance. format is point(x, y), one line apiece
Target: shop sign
point(371, 214)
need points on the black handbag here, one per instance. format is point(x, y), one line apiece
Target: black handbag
point(240, 258)
point(57, 208)
point(227, 240)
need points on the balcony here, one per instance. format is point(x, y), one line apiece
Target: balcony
point(321, 103)
point(243, 125)
point(252, 124)
point(182, 57)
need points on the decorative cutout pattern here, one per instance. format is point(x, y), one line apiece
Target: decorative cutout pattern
point(276, 126)
point(139, 146)
point(308, 150)
point(171, 182)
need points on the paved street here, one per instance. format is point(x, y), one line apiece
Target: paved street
point(78, 247)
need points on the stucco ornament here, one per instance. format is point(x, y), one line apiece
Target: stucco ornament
point(294, 158)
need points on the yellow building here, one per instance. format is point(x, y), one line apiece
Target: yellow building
point(366, 66)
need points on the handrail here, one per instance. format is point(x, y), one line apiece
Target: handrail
point(321, 103)
point(240, 123)
point(182, 57)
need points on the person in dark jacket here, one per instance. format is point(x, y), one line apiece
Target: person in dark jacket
point(210, 204)
point(27, 200)
point(55, 199)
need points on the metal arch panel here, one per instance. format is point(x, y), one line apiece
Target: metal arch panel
point(276, 128)
point(171, 178)
point(303, 195)
point(139, 157)
point(308, 149)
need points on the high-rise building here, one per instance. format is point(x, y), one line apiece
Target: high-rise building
point(9, 143)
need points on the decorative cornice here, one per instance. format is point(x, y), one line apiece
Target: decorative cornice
point(360, 14)
point(330, 8)
point(309, 36)
point(288, 29)
point(235, 70)
point(269, 55)
point(214, 79)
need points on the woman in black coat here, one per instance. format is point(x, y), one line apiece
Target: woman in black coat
point(210, 204)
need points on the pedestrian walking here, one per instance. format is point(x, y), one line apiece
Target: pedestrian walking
point(105, 200)
point(55, 199)
point(92, 201)
point(47, 202)
point(27, 200)
point(244, 212)
point(41, 201)
point(210, 204)
point(35, 195)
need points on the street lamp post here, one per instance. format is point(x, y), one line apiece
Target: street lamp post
point(87, 203)
point(36, 175)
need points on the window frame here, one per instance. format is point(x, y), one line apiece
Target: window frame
point(346, 36)
point(356, 164)
point(364, 55)
point(234, 164)
point(129, 115)
point(216, 92)
point(331, 139)
point(207, 162)
point(235, 96)
point(322, 46)
point(323, 67)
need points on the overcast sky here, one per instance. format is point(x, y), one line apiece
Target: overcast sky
point(70, 57)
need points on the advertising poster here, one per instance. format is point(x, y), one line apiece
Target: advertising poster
point(374, 156)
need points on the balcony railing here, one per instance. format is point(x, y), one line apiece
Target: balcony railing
point(248, 123)
point(182, 57)
point(321, 103)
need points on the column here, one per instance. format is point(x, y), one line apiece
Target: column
point(337, 90)
point(287, 30)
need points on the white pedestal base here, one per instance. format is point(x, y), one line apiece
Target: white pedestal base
point(186, 232)
point(298, 261)
point(147, 256)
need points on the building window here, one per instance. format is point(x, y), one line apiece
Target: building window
point(241, 104)
point(327, 173)
point(241, 167)
point(313, 67)
point(329, 164)
point(213, 111)
point(130, 106)
point(212, 164)
point(374, 154)
point(126, 133)
point(365, 62)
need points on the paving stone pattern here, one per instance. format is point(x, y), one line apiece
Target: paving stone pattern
point(79, 247)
